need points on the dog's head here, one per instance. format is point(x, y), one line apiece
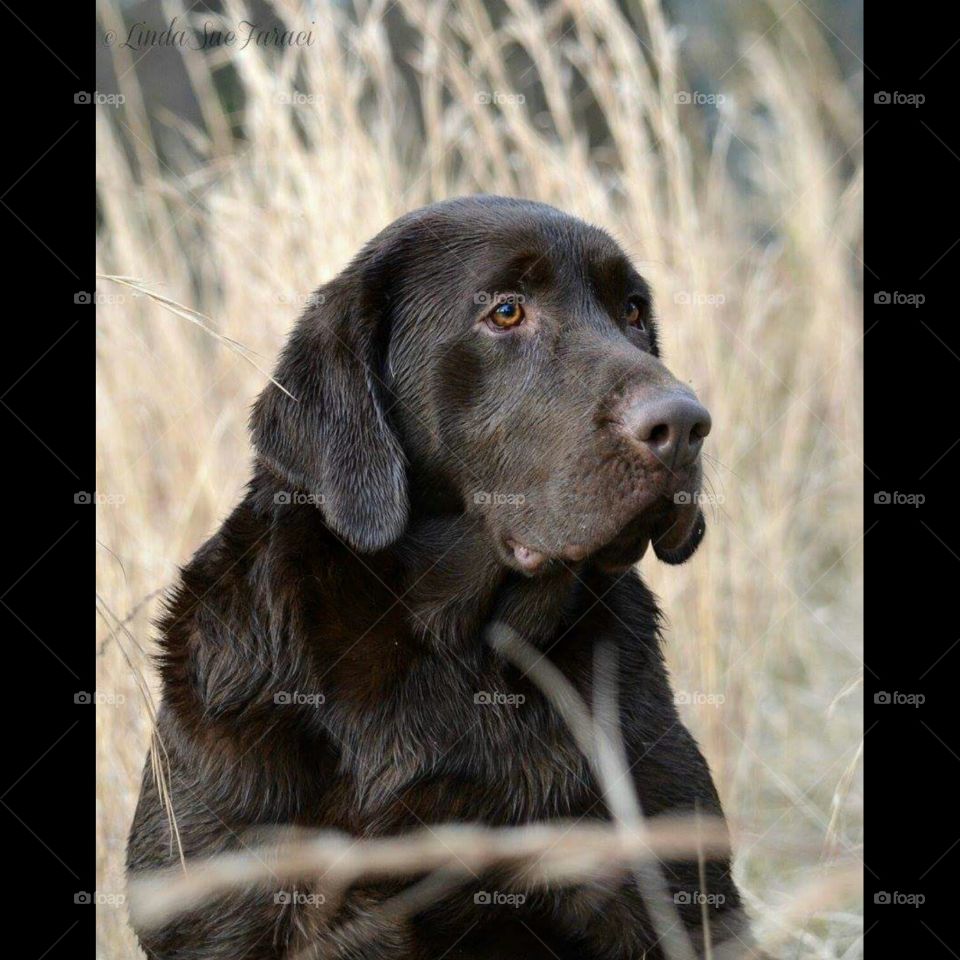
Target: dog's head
point(497, 357)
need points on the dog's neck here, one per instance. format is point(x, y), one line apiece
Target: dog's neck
point(448, 579)
point(456, 585)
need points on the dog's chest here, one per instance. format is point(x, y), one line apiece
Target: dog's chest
point(471, 748)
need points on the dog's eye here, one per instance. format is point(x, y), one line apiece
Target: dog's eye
point(633, 315)
point(507, 314)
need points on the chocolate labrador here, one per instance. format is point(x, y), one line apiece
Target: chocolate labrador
point(473, 428)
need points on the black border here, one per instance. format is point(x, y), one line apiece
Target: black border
point(47, 403)
point(912, 449)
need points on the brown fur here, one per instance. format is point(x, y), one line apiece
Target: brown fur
point(323, 653)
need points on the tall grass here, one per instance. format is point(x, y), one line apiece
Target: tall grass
point(745, 217)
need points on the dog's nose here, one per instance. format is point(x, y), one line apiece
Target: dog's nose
point(672, 426)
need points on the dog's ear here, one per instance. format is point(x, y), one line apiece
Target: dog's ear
point(332, 439)
point(683, 545)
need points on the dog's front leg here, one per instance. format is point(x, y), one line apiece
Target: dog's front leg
point(611, 919)
point(362, 927)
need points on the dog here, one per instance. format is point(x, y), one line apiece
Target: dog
point(469, 427)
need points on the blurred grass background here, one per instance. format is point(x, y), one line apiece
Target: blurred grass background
point(719, 143)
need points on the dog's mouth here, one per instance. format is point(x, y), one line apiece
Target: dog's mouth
point(674, 528)
point(531, 560)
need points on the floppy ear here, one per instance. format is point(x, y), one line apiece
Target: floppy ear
point(332, 439)
point(689, 540)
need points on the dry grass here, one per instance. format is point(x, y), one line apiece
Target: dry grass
point(756, 274)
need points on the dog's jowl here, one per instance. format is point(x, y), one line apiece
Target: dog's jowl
point(475, 433)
